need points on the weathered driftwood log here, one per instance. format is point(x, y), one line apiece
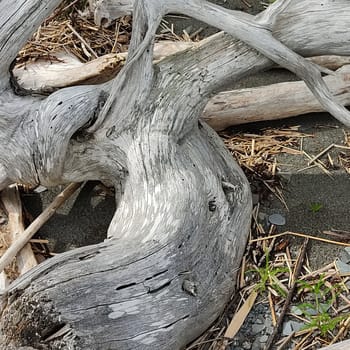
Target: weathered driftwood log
point(344, 345)
point(11, 200)
point(43, 76)
point(176, 240)
point(276, 101)
point(271, 102)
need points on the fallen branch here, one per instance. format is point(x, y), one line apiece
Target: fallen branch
point(29, 232)
point(276, 101)
point(11, 200)
point(45, 76)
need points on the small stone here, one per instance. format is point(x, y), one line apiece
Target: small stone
point(267, 321)
point(40, 189)
point(263, 339)
point(269, 329)
point(259, 321)
point(2, 220)
point(256, 345)
point(345, 255)
point(246, 345)
point(277, 219)
point(189, 287)
point(344, 269)
point(291, 326)
point(324, 307)
point(287, 328)
point(296, 311)
point(297, 326)
point(257, 328)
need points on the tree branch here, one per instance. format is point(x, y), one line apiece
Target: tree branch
point(137, 74)
point(260, 38)
point(271, 102)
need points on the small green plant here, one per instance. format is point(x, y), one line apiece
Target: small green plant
point(268, 276)
point(316, 207)
point(324, 323)
point(317, 312)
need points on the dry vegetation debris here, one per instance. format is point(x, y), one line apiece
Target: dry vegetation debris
point(71, 28)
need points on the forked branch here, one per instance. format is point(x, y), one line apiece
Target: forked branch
point(257, 34)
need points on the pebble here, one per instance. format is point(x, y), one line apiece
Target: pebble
point(255, 331)
point(256, 345)
point(291, 326)
point(263, 339)
point(259, 321)
point(347, 250)
point(344, 269)
point(345, 255)
point(277, 219)
point(267, 321)
point(246, 345)
point(3, 221)
point(269, 329)
point(257, 328)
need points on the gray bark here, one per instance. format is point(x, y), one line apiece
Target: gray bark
point(175, 243)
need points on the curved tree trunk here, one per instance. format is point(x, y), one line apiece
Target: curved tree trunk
point(175, 243)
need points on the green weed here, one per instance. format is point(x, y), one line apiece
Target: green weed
point(316, 207)
point(268, 276)
point(317, 312)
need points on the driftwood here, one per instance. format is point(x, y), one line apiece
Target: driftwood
point(226, 109)
point(107, 11)
point(276, 101)
point(44, 76)
point(344, 345)
point(175, 243)
point(25, 259)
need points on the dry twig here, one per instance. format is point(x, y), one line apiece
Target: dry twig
point(23, 239)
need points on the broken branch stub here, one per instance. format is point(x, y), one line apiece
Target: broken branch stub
point(179, 232)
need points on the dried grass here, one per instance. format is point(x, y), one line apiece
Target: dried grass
point(257, 152)
point(71, 28)
point(344, 156)
point(56, 34)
